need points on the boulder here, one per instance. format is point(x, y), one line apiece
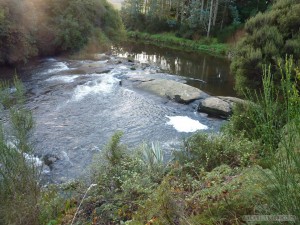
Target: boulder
point(176, 91)
point(220, 106)
point(215, 107)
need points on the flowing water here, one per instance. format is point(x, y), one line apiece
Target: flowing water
point(77, 112)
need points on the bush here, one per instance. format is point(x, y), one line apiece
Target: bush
point(268, 111)
point(226, 195)
point(221, 196)
point(270, 36)
point(163, 207)
point(124, 179)
point(210, 151)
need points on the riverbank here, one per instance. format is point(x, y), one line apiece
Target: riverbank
point(208, 179)
point(207, 45)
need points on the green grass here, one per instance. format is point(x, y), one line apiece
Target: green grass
point(208, 45)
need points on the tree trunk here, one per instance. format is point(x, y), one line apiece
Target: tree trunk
point(146, 7)
point(216, 12)
point(210, 17)
point(201, 11)
point(223, 15)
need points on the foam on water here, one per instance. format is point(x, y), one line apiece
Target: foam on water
point(66, 157)
point(29, 158)
point(33, 159)
point(104, 84)
point(185, 124)
point(57, 67)
point(51, 60)
point(123, 67)
point(65, 79)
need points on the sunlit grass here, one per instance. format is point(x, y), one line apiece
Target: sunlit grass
point(208, 45)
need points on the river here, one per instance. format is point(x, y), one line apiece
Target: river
point(196, 67)
point(76, 111)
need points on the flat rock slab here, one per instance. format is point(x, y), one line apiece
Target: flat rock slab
point(176, 91)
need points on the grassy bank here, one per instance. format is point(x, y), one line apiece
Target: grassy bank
point(207, 45)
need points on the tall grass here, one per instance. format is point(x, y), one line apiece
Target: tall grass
point(283, 189)
point(267, 111)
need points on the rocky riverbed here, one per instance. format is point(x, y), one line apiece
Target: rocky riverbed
point(79, 104)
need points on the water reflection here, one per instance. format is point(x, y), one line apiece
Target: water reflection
point(197, 67)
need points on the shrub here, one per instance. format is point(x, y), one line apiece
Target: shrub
point(269, 110)
point(270, 36)
point(225, 195)
point(163, 207)
point(221, 196)
point(125, 179)
point(210, 151)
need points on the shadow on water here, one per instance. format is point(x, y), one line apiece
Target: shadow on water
point(206, 72)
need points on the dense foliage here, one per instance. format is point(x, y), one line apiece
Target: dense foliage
point(270, 36)
point(189, 19)
point(54, 26)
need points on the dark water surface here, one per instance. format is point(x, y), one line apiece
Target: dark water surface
point(214, 71)
point(76, 113)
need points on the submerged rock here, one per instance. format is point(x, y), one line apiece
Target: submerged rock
point(49, 159)
point(130, 58)
point(176, 91)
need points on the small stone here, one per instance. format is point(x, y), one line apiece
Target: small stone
point(49, 159)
